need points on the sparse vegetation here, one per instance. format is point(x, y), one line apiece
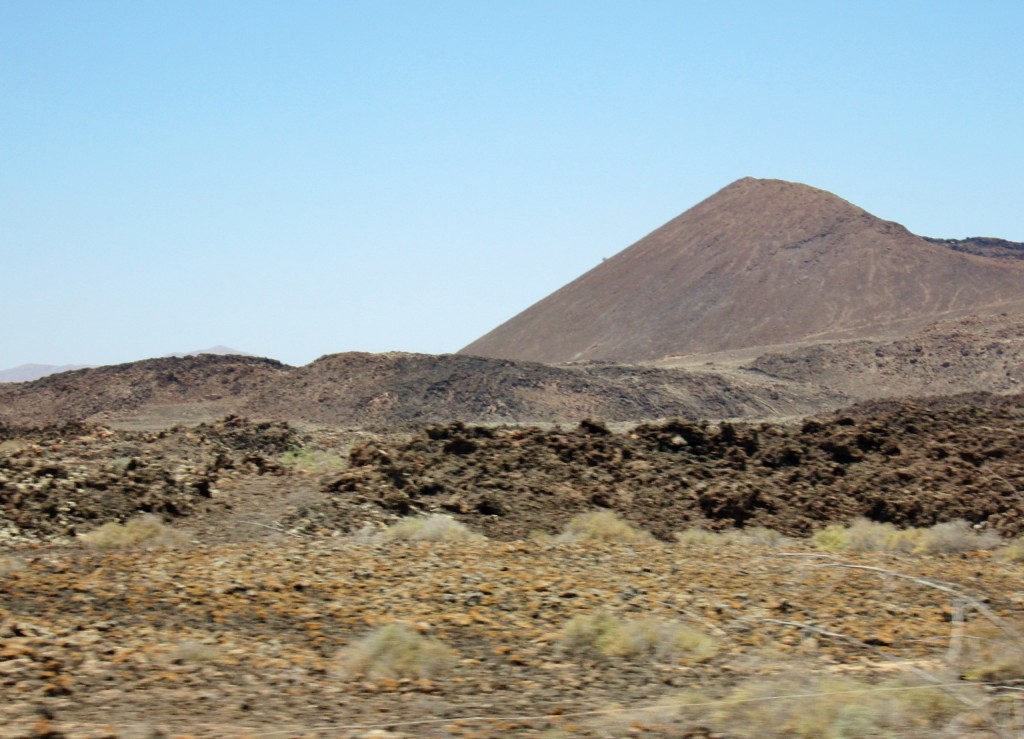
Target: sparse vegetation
point(603, 526)
point(396, 651)
point(833, 707)
point(661, 640)
point(992, 654)
point(757, 535)
point(10, 563)
point(869, 536)
point(821, 706)
point(704, 539)
point(191, 651)
point(436, 527)
point(147, 529)
point(307, 459)
point(1013, 552)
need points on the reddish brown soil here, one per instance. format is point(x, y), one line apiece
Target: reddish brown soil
point(761, 262)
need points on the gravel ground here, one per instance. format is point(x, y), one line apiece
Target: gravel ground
point(243, 639)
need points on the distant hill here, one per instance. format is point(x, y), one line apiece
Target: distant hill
point(984, 246)
point(28, 372)
point(219, 350)
point(392, 390)
point(400, 390)
point(761, 263)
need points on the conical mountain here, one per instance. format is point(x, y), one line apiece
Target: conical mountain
point(760, 263)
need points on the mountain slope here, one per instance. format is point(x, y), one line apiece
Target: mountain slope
point(759, 263)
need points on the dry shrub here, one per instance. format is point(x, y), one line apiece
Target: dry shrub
point(993, 654)
point(957, 536)
point(147, 529)
point(834, 707)
point(436, 527)
point(662, 640)
point(306, 459)
point(396, 651)
point(1012, 552)
point(10, 563)
point(603, 526)
point(869, 536)
point(704, 539)
point(762, 536)
point(811, 706)
point(755, 535)
point(587, 632)
point(191, 651)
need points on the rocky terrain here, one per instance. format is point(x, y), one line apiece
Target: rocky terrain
point(383, 391)
point(911, 464)
point(906, 464)
point(249, 640)
point(985, 246)
point(389, 391)
point(243, 627)
point(772, 485)
point(945, 358)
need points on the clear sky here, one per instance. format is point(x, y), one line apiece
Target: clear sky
point(300, 178)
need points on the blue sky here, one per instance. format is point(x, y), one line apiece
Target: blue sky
point(300, 178)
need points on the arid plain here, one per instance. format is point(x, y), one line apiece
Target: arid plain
point(760, 474)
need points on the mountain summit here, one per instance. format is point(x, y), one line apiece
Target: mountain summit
point(759, 263)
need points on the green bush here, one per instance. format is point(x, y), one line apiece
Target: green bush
point(832, 707)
